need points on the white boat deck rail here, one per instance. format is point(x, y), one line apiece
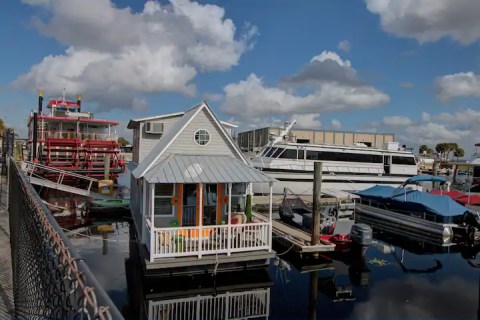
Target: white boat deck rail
point(31, 170)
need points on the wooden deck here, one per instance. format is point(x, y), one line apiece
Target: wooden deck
point(296, 238)
point(208, 263)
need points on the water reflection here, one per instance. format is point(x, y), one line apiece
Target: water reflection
point(235, 295)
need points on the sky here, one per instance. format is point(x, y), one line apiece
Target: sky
point(408, 67)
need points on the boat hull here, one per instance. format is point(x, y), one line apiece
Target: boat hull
point(439, 232)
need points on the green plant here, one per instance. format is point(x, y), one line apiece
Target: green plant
point(248, 208)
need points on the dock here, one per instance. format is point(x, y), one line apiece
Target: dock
point(6, 285)
point(296, 239)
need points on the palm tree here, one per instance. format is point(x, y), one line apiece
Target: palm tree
point(2, 127)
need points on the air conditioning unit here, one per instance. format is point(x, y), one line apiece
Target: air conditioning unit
point(154, 127)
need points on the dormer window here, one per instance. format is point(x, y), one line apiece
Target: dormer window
point(202, 137)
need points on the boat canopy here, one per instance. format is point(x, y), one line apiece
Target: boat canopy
point(424, 178)
point(411, 199)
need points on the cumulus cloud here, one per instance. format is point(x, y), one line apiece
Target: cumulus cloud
point(460, 126)
point(326, 83)
point(335, 124)
point(397, 121)
point(210, 96)
point(113, 53)
point(462, 84)
point(429, 20)
point(426, 116)
point(308, 121)
point(344, 45)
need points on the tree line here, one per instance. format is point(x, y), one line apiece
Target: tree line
point(443, 150)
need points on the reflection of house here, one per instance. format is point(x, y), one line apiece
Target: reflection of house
point(189, 185)
point(234, 295)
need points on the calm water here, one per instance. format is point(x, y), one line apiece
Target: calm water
point(399, 280)
point(396, 278)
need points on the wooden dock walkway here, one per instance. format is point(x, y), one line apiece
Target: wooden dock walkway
point(295, 238)
point(6, 285)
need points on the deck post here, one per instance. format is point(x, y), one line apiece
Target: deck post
point(143, 211)
point(152, 217)
point(317, 199)
point(229, 222)
point(200, 219)
point(270, 216)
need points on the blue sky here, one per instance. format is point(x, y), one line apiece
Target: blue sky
point(408, 67)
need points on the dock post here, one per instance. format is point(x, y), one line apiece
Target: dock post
point(106, 166)
point(317, 199)
point(436, 166)
point(313, 296)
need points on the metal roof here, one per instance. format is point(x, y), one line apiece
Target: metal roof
point(178, 168)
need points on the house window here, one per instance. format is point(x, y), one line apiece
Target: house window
point(163, 200)
point(202, 137)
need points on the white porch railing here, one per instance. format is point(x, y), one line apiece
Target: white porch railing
point(229, 305)
point(207, 240)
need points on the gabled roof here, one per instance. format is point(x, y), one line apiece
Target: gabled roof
point(169, 137)
point(133, 122)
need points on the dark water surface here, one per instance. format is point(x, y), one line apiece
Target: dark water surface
point(396, 278)
point(388, 282)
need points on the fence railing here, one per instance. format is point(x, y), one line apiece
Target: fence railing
point(65, 134)
point(206, 240)
point(50, 279)
point(229, 305)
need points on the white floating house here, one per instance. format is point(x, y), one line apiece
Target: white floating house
point(189, 189)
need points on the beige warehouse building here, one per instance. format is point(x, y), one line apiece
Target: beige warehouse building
point(254, 140)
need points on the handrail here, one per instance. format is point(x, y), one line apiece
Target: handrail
point(33, 166)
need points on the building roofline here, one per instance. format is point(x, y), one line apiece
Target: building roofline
point(132, 122)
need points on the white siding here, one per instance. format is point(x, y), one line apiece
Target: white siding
point(218, 144)
point(148, 141)
point(136, 144)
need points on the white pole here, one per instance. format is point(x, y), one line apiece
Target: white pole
point(200, 218)
point(270, 216)
point(229, 222)
point(143, 212)
point(152, 217)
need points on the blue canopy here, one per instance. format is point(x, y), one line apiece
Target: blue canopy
point(412, 199)
point(425, 177)
point(438, 204)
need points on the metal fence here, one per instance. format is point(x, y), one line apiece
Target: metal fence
point(50, 279)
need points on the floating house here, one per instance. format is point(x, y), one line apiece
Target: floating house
point(189, 187)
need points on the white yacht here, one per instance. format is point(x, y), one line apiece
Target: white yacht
point(347, 168)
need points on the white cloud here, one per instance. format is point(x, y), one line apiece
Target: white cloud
point(327, 83)
point(308, 121)
point(113, 54)
point(429, 20)
point(433, 133)
point(462, 84)
point(406, 85)
point(397, 121)
point(335, 124)
point(426, 117)
point(344, 45)
point(212, 97)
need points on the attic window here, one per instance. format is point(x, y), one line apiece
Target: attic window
point(202, 137)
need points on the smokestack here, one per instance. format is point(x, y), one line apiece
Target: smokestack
point(35, 133)
point(40, 102)
point(79, 102)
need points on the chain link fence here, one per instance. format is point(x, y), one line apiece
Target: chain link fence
point(50, 280)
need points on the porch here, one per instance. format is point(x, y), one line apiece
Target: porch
point(202, 216)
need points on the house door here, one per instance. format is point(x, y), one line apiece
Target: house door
point(210, 204)
point(189, 212)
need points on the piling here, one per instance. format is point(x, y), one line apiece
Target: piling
point(436, 166)
point(313, 296)
point(317, 199)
